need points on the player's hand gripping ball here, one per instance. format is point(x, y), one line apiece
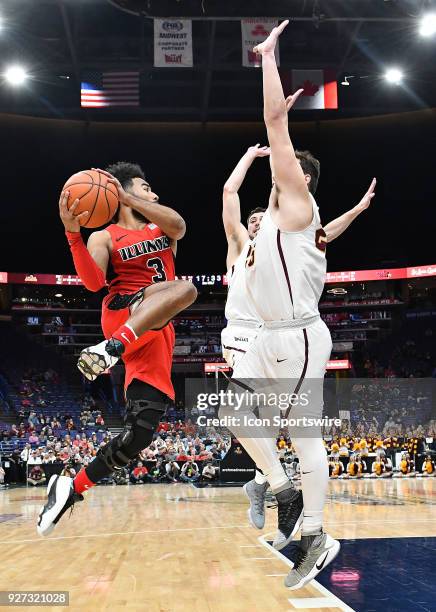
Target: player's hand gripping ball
point(92, 199)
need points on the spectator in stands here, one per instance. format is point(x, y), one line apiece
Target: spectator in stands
point(158, 472)
point(172, 470)
point(36, 475)
point(388, 468)
point(202, 453)
point(216, 454)
point(209, 472)
point(379, 447)
point(281, 443)
point(2, 476)
point(334, 451)
point(378, 467)
point(190, 472)
point(25, 453)
point(343, 448)
point(407, 465)
point(362, 464)
point(139, 474)
point(35, 458)
point(55, 423)
point(428, 467)
point(33, 419)
point(353, 468)
point(51, 456)
point(336, 467)
point(99, 420)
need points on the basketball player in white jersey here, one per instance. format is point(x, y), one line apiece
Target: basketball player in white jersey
point(284, 276)
point(242, 319)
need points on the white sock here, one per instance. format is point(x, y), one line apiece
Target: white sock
point(263, 451)
point(312, 522)
point(259, 478)
point(278, 481)
point(314, 481)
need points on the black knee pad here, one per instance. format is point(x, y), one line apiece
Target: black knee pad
point(140, 422)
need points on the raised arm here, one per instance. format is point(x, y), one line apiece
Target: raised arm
point(90, 263)
point(236, 232)
point(293, 201)
point(167, 219)
point(336, 227)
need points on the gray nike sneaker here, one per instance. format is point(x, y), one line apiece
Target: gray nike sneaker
point(290, 516)
point(256, 494)
point(314, 554)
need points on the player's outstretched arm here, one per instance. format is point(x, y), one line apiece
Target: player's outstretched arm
point(294, 204)
point(236, 232)
point(91, 265)
point(167, 219)
point(336, 227)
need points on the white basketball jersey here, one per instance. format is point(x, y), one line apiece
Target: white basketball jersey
point(285, 271)
point(238, 305)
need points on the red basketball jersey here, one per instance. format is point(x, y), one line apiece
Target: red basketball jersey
point(139, 258)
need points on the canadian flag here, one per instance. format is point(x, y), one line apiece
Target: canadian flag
point(320, 88)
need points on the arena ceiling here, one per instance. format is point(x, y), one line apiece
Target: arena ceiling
point(59, 39)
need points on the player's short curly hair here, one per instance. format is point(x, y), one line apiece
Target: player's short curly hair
point(311, 166)
point(125, 172)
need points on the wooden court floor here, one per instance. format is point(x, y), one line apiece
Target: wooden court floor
point(173, 548)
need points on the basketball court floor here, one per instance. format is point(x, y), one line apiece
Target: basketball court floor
point(171, 548)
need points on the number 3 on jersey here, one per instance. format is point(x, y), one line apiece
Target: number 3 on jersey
point(158, 266)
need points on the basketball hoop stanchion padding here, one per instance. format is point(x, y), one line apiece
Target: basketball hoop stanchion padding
point(237, 465)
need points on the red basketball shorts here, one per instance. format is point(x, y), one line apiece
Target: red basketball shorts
point(150, 357)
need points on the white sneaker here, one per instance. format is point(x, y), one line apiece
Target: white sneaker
point(95, 360)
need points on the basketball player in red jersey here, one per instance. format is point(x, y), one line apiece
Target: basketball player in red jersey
point(143, 297)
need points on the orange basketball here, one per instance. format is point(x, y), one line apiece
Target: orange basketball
point(96, 195)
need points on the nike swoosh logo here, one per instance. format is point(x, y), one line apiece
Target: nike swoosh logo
point(307, 472)
point(319, 567)
point(280, 360)
point(121, 237)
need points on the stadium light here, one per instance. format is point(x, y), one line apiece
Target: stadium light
point(16, 75)
point(427, 25)
point(58, 294)
point(394, 76)
point(345, 81)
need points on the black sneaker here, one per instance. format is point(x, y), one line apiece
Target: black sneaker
point(290, 516)
point(61, 496)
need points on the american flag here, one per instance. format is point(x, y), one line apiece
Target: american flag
point(104, 89)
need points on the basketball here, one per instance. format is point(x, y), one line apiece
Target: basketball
point(96, 195)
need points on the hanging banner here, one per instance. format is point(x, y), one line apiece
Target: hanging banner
point(254, 31)
point(173, 43)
